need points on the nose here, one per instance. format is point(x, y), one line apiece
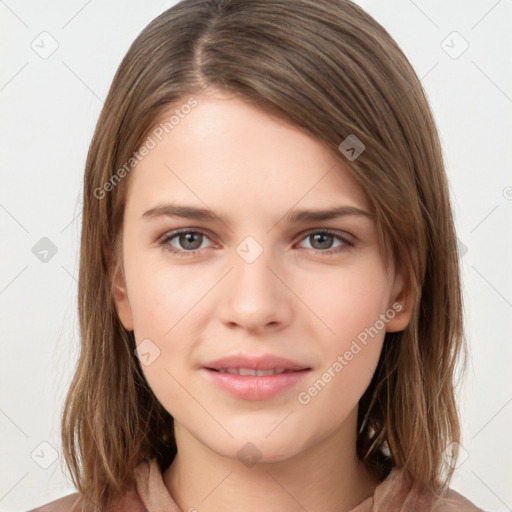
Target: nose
point(255, 296)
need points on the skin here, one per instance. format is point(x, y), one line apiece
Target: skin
point(292, 301)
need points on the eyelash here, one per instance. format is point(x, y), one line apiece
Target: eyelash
point(164, 242)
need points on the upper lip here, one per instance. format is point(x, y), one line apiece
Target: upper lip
point(255, 362)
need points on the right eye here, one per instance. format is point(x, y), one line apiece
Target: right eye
point(189, 239)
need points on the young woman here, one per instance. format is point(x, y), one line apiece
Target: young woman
point(269, 290)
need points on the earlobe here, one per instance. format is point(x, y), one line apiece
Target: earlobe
point(120, 297)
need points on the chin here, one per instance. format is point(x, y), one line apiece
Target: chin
point(254, 447)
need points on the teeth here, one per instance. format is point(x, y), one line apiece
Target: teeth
point(250, 371)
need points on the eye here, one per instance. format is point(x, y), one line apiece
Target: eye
point(190, 241)
point(323, 239)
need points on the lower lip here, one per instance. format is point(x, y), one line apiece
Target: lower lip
point(255, 387)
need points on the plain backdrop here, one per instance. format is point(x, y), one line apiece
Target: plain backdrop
point(58, 61)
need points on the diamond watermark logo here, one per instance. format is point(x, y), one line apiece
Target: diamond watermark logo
point(249, 249)
point(44, 455)
point(249, 454)
point(454, 45)
point(44, 250)
point(450, 453)
point(147, 352)
point(351, 147)
point(44, 44)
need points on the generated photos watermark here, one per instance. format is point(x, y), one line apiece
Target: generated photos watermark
point(362, 339)
point(150, 143)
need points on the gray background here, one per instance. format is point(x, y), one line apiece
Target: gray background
point(50, 104)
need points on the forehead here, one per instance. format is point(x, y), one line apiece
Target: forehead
point(229, 153)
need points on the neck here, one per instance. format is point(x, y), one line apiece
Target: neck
point(326, 476)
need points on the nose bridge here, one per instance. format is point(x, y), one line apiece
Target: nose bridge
point(252, 279)
point(252, 262)
point(253, 296)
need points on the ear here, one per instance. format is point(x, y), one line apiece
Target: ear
point(120, 294)
point(402, 304)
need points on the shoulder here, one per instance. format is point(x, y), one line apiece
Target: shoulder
point(396, 493)
point(128, 502)
point(63, 504)
point(452, 501)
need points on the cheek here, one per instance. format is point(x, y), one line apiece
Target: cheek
point(349, 363)
point(167, 311)
point(349, 304)
point(161, 297)
point(346, 301)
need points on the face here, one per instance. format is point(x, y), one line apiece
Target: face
point(256, 278)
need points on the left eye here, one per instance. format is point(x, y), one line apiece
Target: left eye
point(324, 240)
point(190, 241)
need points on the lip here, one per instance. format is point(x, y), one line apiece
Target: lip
point(255, 387)
point(255, 362)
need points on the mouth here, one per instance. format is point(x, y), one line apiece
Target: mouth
point(251, 372)
point(251, 384)
point(254, 376)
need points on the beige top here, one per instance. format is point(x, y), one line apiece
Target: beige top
point(151, 495)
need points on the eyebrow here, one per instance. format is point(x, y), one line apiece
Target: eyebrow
point(195, 213)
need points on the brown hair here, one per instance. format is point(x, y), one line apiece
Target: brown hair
point(329, 68)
